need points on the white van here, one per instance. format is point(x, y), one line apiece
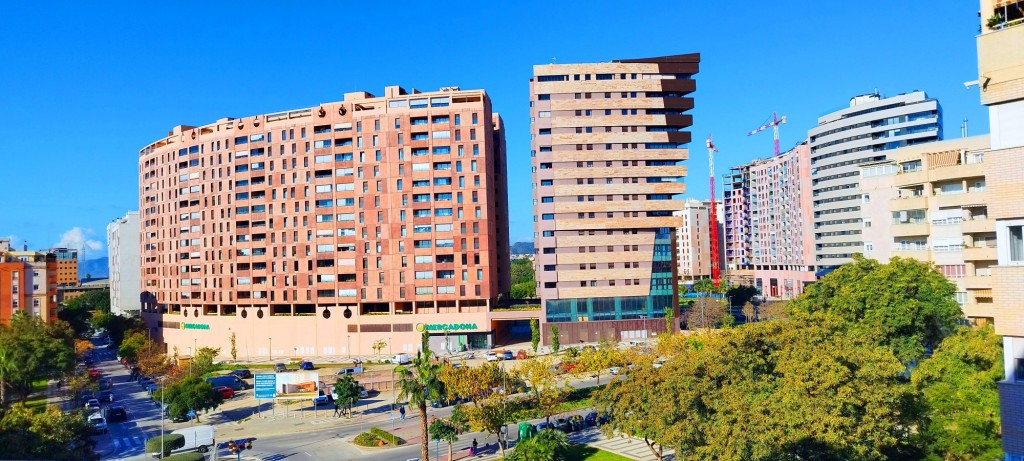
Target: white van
point(197, 438)
point(401, 359)
point(354, 370)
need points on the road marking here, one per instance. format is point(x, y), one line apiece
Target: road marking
point(117, 444)
point(137, 441)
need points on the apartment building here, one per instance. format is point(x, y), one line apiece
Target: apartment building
point(606, 142)
point(123, 264)
point(768, 233)
point(693, 240)
point(28, 283)
point(67, 266)
point(845, 139)
point(1001, 81)
point(320, 231)
point(935, 210)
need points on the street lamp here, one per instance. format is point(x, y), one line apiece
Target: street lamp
point(349, 347)
point(270, 351)
point(162, 411)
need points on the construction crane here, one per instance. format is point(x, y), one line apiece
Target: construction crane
point(774, 124)
point(716, 272)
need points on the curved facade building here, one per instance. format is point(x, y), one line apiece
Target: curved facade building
point(322, 231)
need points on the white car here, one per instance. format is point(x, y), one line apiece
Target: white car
point(92, 404)
point(99, 423)
point(614, 370)
point(492, 357)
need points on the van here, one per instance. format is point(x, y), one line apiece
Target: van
point(232, 381)
point(401, 359)
point(353, 370)
point(197, 438)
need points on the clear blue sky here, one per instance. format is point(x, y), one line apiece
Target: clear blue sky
point(84, 86)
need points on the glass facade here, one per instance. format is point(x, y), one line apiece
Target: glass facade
point(625, 307)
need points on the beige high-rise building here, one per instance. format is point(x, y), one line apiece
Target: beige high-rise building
point(1001, 80)
point(607, 139)
point(934, 208)
point(693, 240)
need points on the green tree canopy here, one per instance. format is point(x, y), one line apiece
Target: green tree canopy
point(548, 445)
point(959, 386)
point(906, 305)
point(192, 393)
point(346, 391)
point(31, 350)
point(419, 383)
point(51, 434)
point(522, 271)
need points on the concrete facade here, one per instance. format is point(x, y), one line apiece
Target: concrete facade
point(693, 240)
point(123, 261)
point(845, 139)
point(935, 210)
point(67, 266)
point(768, 224)
point(607, 139)
point(28, 283)
point(1001, 80)
point(320, 231)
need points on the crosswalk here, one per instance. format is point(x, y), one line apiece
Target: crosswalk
point(127, 442)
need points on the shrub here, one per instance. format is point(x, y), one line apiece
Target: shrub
point(366, 439)
point(190, 456)
point(386, 436)
point(165, 444)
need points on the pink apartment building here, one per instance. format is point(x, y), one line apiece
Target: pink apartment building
point(769, 237)
point(321, 231)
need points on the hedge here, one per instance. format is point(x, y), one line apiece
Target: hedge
point(190, 456)
point(169, 442)
point(386, 436)
point(366, 439)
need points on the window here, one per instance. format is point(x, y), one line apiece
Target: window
point(1014, 236)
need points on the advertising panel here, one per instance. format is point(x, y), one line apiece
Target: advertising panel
point(264, 385)
point(296, 385)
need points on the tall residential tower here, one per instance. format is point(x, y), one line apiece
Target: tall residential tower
point(843, 140)
point(607, 139)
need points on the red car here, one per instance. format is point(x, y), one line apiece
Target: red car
point(94, 373)
point(225, 392)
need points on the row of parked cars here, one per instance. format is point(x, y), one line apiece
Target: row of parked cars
point(574, 423)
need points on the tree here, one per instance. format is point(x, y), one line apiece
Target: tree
point(444, 430)
point(418, 384)
point(596, 360)
point(347, 392)
point(31, 350)
point(670, 314)
point(535, 334)
point(636, 408)
point(774, 310)
point(50, 434)
point(906, 305)
point(556, 343)
point(706, 312)
point(549, 444)
point(192, 393)
point(378, 346)
point(741, 294)
point(490, 415)
point(523, 290)
point(522, 271)
point(202, 362)
point(959, 386)
point(131, 346)
point(749, 312)
point(234, 347)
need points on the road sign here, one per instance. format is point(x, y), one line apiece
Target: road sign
point(264, 385)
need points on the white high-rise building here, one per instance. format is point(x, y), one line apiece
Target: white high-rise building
point(693, 240)
point(123, 261)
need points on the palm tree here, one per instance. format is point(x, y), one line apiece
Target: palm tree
point(548, 444)
point(419, 383)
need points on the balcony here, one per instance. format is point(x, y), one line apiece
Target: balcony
point(920, 255)
point(978, 225)
point(980, 254)
point(919, 202)
point(977, 282)
point(910, 229)
point(999, 57)
point(957, 200)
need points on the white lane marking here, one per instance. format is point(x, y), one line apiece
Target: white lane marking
point(117, 444)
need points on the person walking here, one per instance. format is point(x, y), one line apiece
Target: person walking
point(472, 449)
point(337, 409)
point(401, 412)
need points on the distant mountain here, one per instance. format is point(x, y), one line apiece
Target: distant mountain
point(94, 267)
point(522, 248)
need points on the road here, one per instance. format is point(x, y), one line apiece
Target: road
point(294, 435)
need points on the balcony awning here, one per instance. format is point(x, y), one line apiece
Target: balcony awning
point(984, 292)
point(1002, 3)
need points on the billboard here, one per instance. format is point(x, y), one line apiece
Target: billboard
point(296, 385)
point(264, 385)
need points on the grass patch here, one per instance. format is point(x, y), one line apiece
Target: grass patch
point(366, 439)
point(386, 436)
point(37, 403)
point(39, 385)
point(588, 453)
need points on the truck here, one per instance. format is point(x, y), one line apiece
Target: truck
point(401, 359)
point(197, 438)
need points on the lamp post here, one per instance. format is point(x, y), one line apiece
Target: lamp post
point(162, 411)
point(270, 350)
point(349, 346)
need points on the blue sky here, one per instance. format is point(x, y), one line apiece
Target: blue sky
point(84, 86)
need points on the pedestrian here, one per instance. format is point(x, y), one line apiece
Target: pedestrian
point(472, 449)
point(401, 412)
point(337, 410)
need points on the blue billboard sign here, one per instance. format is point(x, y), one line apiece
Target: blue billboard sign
point(264, 385)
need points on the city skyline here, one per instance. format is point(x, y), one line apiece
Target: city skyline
point(124, 91)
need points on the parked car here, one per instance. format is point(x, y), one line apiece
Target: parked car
point(507, 355)
point(105, 396)
point(232, 381)
point(94, 373)
point(92, 405)
point(322, 398)
point(99, 423)
point(591, 418)
point(106, 383)
point(563, 425)
point(521, 355)
point(603, 419)
point(306, 366)
point(543, 425)
point(115, 414)
point(491, 356)
point(152, 388)
point(243, 373)
point(577, 422)
point(614, 370)
point(363, 393)
point(589, 348)
point(280, 368)
point(353, 370)
point(225, 392)
point(145, 382)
